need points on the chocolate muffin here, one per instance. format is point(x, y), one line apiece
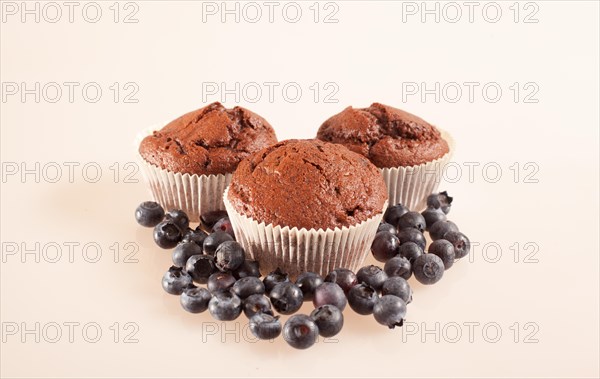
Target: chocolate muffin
point(388, 136)
point(307, 184)
point(210, 140)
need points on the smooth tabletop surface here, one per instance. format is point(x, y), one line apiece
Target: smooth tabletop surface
point(516, 84)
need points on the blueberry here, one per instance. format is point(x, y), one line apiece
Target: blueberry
point(274, 278)
point(329, 320)
point(300, 332)
point(410, 251)
point(412, 220)
point(440, 200)
point(385, 246)
point(179, 218)
point(224, 225)
point(183, 251)
point(247, 286)
point(248, 268)
point(209, 219)
point(372, 275)
point(330, 293)
point(433, 201)
point(220, 281)
point(286, 298)
point(308, 282)
point(412, 235)
point(265, 326)
point(167, 235)
point(175, 281)
point(390, 310)
point(428, 268)
point(254, 304)
point(397, 286)
point(385, 227)
point(343, 277)
point(443, 249)
point(225, 306)
point(229, 256)
point(439, 229)
point(362, 298)
point(433, 215)
point(461, 243)
point(393, 214)
point(195, 300)
point(200, 267)
point(214, 240)
point(398, 266)
point(149, 213)
point(194, 235)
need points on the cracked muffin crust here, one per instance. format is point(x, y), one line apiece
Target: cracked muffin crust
point(307, 184)
point(210, 140)
point(388, 136)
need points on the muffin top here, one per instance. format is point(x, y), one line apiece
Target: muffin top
point(210, 140)
point(388, 136)
point(307, 184)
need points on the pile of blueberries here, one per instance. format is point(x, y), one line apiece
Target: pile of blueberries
point(209, 255)
point(400, 242)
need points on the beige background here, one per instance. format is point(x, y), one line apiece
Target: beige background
point(533, 310)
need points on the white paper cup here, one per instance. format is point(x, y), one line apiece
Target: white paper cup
point(411, 185)
point(299, 250)
point(194, 194)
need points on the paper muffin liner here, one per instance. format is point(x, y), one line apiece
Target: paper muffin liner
point(194, 194)
point(296, 250)
point(411, 185)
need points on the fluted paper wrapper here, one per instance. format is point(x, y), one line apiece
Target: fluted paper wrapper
point(411, 185)
point(299, 250)
point(194, 194)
